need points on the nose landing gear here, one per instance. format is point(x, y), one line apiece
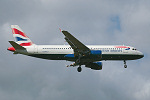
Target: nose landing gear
point(125, 65)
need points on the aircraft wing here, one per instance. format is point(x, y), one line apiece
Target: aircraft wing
point(77, 46)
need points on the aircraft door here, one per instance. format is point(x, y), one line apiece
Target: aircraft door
point(35, 49)
point(125, 50)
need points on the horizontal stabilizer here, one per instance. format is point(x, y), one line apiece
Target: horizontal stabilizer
point(16, 46)
point(15, 53)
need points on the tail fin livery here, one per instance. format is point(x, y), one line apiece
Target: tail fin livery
point(20, 37)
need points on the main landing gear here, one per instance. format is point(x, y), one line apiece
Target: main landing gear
point(125, 65)
point(79, 69)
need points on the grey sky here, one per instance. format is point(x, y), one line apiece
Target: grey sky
point(92, 22)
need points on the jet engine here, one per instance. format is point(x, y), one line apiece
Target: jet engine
point(94, 65)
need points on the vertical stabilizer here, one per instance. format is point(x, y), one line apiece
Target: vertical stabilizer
point(20, 37)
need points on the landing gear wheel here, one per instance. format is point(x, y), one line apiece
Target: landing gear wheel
point(79, 69)
point(125, 66)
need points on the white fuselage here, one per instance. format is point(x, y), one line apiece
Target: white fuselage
point(110, 51)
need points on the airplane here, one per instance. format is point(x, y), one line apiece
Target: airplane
point(88, 55)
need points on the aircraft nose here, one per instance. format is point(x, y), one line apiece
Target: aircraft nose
point(141, 54)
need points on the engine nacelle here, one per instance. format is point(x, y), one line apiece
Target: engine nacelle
point(96, 53)
point(95, 65)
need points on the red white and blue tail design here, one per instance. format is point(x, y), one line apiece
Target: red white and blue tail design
point(20, 37)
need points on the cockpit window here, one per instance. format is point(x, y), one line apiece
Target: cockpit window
point(134, 49)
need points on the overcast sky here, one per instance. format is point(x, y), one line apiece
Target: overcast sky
point(108, 22)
